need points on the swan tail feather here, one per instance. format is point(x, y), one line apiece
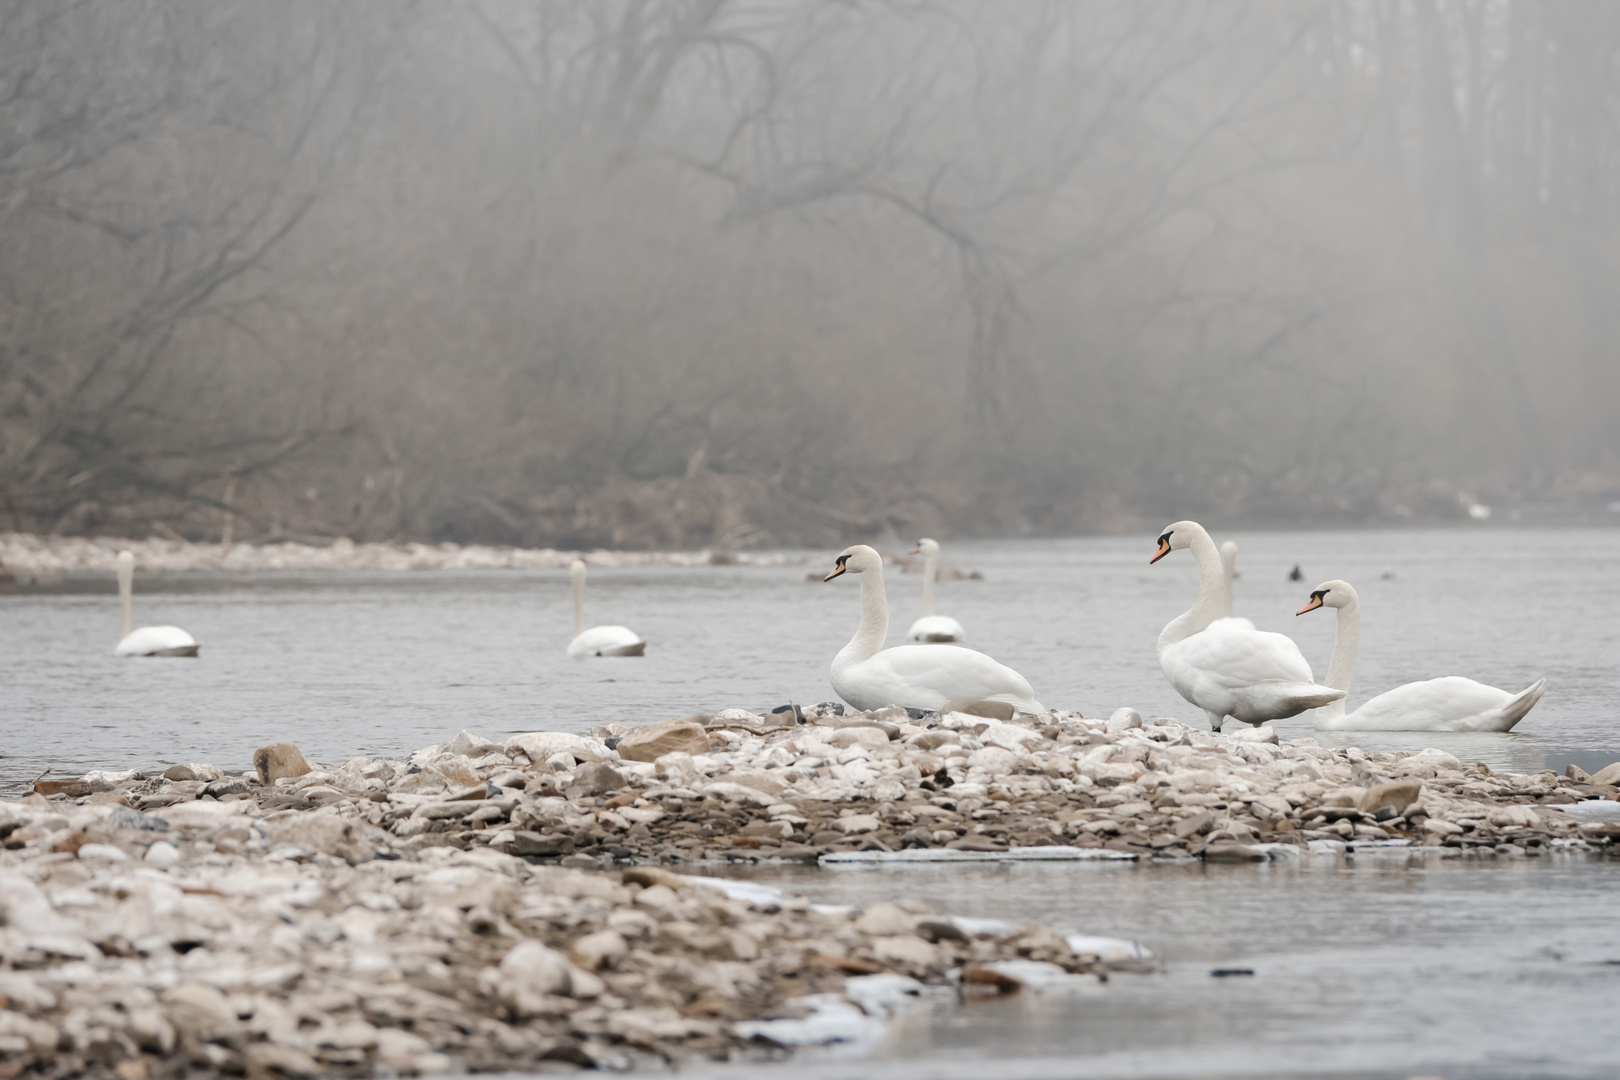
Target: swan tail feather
point(1314, 697)
point(1516, 709)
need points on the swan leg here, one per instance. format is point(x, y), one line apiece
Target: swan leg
point(1215, 720)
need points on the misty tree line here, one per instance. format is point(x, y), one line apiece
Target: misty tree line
point(634, 273)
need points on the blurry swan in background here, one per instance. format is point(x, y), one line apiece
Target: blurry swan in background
point(148, 640)
point(598, 640)
point(931, 627)
point(1449, 703)
point(868, 676)
point(1226, 667)
point(1228, 575)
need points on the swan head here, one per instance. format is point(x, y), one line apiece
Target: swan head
point(576, 569)
point(1175, 538)
point(857, 559)
point(925, 547)
point(1334, 594)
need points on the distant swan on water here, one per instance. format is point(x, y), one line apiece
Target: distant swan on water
point(868, 676)
point(1449, 703)
point(148, 640)
point(931, 627)
point(1223, 666)
point(598, 640)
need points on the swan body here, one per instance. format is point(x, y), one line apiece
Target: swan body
point(1225, 666)
point(868, 676)
point(147, 640)
point(931, 627)
point(1449, 703)
point(598, 640)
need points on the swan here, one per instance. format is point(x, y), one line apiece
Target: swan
point(1228, 575)
point(148, 640)
point(1223, 666)
point(868, 676)
point(932, 627)
point(1449, 703)
point(598, 640)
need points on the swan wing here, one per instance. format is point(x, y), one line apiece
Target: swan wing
point(157, 641)
point(607, 641)
point(1449, 703)
point(928, 676)
point(934, 628)
point(1233, 655)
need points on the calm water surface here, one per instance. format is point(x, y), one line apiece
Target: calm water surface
point(384, 663)
point(1392, 965)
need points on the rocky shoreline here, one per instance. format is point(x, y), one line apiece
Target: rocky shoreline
point(498, 906)
point(27, 557)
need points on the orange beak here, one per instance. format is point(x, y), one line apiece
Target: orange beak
point(836, 571)
point(1164, 549)
point(1316, 602)
point(915, 550)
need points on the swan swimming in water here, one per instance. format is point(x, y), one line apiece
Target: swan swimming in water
point(931, 627)
point(598, 640)
point(148, 640)
point(868, 676)
point(1449, 703)
point(1225, 667)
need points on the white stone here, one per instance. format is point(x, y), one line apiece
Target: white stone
point(994, 760)
point(200, 1011)
point(737, 793)
point(859, 823)
point(885, 919)
point(859, 736)
point(470, 744)
point(1123, 719)
point(105, 780)
point(106, 852)
point(604, 948)
point(540, 745)
point(906, 950)
point(529, 972)
point(759, 779)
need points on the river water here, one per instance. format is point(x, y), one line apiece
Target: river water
point(382, 663)
point(1375, 966)
point(1388, 964)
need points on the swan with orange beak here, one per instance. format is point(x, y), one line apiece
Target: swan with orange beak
point(1449, 703)
point(1223, 666)
point(868, 676)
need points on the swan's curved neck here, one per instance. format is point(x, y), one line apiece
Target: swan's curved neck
point(126, 599)
point(1228, 571)
point(874, 629)
point(1346, 640)
point(579, 604)
point(1207, 608)
point(930, 568)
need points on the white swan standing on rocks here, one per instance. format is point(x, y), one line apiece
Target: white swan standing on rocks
point(1449, 703)
point(1225, 667)
point(598, 640)
point(148, 640)
point(868, 676)
point(931, 627)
